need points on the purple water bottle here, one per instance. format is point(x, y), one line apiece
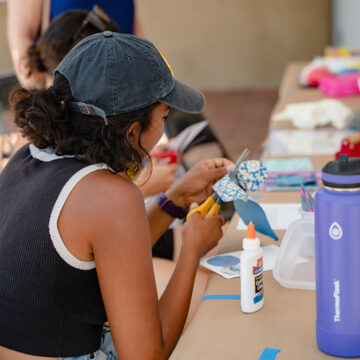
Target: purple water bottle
point(337, 251)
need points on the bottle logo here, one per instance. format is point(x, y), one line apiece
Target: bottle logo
point(335, 231)
point(259, 266)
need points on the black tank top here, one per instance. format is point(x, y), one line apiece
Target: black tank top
point(50, 302)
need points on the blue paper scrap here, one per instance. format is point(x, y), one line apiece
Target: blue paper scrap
point(296, 164)
point(223, 260)
point(251, 211)
point(269, 354)
point(221, 297)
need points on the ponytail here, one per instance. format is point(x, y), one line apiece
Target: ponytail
point(45, 120)
point(36, 113)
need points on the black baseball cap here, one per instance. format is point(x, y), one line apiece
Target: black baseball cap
point(111, 73)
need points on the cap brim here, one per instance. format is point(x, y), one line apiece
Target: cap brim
point(185, 98)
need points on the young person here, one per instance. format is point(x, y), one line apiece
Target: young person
point(65, 31)
point(75, 240)
point(42, 58)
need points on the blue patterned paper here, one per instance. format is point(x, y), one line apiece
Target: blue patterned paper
point(251, 175)
point(228, 190)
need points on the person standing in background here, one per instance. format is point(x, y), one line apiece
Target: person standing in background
point(26, 20)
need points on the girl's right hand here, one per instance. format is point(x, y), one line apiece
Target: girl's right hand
point(201, 235)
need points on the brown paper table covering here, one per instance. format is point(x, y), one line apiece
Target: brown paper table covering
point(287, 321)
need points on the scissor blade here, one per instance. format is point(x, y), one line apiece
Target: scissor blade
point(241, 158)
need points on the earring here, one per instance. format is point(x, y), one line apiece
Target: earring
point(133, 169)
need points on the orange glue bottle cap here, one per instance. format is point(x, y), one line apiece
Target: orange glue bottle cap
point(251, 231)
point(251, 242)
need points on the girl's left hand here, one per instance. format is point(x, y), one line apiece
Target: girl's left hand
point(196, 184)
point(161, 178)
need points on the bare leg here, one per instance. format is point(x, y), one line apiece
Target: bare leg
point(164, 268)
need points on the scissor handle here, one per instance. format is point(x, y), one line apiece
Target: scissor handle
point(172, 155)
point(214, 210)
point(203, 208)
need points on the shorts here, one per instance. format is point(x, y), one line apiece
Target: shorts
point(106, 351)
point(164, 248)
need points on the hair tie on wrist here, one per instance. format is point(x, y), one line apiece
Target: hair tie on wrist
point(169, 207)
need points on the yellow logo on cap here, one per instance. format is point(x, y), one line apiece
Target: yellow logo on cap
point(167, 63)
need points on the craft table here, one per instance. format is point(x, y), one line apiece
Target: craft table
point(287, 321)
point(291, 92)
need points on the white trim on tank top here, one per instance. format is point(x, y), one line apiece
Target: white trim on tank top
point(47, 155)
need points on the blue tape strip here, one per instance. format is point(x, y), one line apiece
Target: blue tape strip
point(269, 354)
point(221, 297)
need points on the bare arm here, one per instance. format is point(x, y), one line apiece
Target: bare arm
point(111, 219)
point(23, 25)
point(138, 30)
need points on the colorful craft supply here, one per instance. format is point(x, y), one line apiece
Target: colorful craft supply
point(172, 156)
point(295, 164)
point(292, 181)
point(250, 176)
point(341, 85)
point(307, 201)
point(269, 354)
point(350, 146)
point(221, 297)
point(211, 206)
point(231, 269)
point(251, 211)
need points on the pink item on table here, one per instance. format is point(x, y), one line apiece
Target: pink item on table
point(314, 76)
point(340, 86)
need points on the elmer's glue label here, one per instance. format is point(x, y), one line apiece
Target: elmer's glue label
point(251, 270)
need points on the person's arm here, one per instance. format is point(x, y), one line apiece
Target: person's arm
point(194, 186)
point(23, 25)
point(138, 30)
point(162, 176)
point(107, 212)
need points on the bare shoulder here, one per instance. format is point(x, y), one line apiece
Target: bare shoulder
point(101, 206)
point(102, 191)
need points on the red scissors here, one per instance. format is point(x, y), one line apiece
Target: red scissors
point(172, 155)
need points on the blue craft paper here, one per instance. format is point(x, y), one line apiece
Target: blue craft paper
point(269, 354)
point(223, 261)
point(251, 211)
point(251, 175)
point(296, 164)
point(228, 190)
point(221, 297)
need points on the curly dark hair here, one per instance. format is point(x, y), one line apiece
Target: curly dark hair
point(44, 119)
point(61, 36)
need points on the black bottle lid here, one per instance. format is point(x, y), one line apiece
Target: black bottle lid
point(342, 173)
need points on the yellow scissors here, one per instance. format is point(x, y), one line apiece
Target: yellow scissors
point(211, 206)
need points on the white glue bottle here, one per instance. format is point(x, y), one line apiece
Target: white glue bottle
point(251, 272)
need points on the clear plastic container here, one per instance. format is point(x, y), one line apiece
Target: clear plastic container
point(295, 264)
